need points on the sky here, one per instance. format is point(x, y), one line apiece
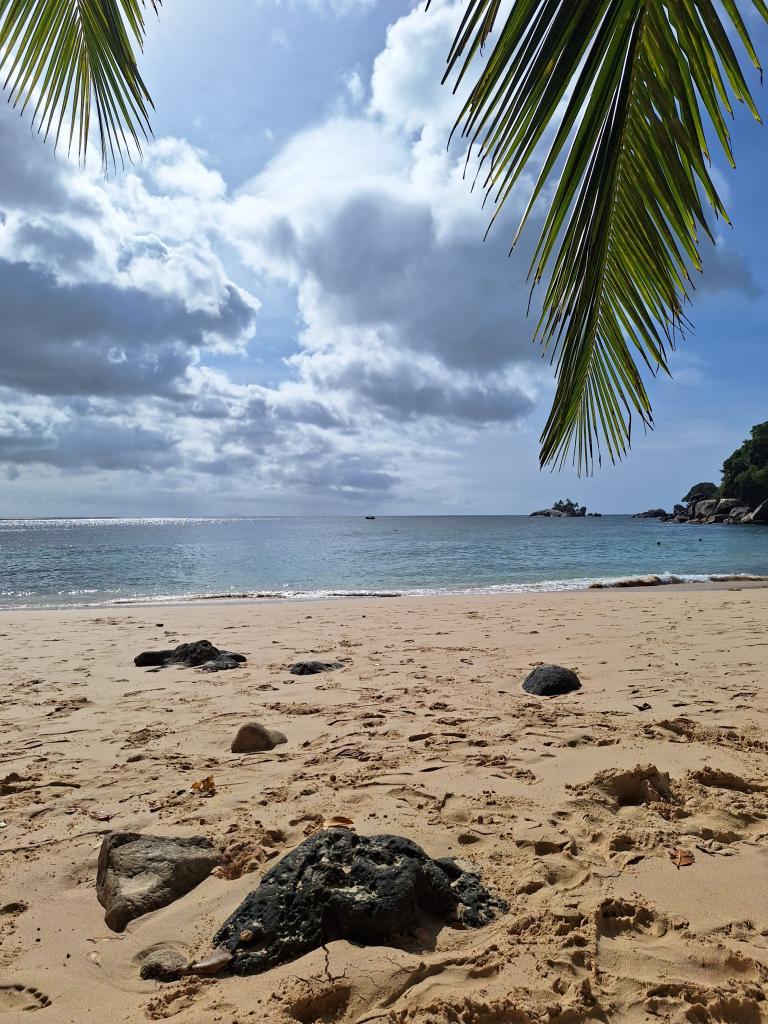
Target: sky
point(287, 305)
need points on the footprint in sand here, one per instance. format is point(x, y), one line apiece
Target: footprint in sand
point(21, 997)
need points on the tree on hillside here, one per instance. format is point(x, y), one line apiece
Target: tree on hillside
point(745, 473)
point(701, 492)
point(620, 94)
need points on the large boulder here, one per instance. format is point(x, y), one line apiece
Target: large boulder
point(254, 737)
point(551, 681)
point(652, 513)
point(703, 509)
point(725, 506)
point(137, 874)
point(760, 515)
point(372, 890)
point(737, 515)
point(200, 654)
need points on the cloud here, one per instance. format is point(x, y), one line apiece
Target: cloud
point(726, 270)
point(131, 343)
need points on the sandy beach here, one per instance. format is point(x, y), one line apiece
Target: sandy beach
point(424, 733)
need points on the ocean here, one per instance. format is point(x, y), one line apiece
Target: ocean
point(51, 563)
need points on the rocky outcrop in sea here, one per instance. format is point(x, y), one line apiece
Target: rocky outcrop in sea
point(563, 509)
point(711, 510)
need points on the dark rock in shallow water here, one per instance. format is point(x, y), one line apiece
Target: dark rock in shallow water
point(201, 654)
point(310, 668)
point(373, 890)
point(551, 681)
point(137, 874)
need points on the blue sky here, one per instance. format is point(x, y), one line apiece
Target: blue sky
point(287, 306)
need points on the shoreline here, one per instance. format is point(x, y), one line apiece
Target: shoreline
point(716, 581)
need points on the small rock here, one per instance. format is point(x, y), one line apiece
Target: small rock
point(551, 681)
point(137, 874)
point(163, 965)
point(310, 668)
point(201, 654)
point(16, 907)
point(254, 737)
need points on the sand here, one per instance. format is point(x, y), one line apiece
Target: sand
point(425, 732)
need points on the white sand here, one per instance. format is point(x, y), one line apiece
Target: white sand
point(601, 926)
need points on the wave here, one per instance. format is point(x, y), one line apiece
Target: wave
point(326, 594)
point(665, 579)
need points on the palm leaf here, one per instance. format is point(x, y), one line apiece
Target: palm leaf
point(67, 59)
point(633, 89)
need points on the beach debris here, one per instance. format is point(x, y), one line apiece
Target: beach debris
point(339, 821)
point(551, 681)
point(14, 907)
point(311, 668)
point(252, 736)
point(213, 963)
point(139, 873)
point(164, 964)
point(681, 858)
point(201, 654)
point(372, 890)
point(205, 787)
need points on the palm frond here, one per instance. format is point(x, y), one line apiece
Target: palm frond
point(633, 89)
point(65, 59)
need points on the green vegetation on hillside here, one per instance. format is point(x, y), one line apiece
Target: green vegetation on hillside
point(745, 473)
point(701, 492)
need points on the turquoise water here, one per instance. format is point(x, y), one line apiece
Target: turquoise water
point(77, 562)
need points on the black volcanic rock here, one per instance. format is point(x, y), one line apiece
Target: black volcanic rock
point(373, 890)
point(551, 681)
point(200, 654)
point(311, 668)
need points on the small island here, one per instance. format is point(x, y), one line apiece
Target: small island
point(566, 509)
point(740, 498)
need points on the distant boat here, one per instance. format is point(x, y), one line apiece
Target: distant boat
point(370, 517)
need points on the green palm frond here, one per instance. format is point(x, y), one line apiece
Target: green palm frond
point(633, 89)
point(64, 59)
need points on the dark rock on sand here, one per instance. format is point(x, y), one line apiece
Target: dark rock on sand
point(201, 654)
point(551, 681)
point(254, 737)
point(137, 874)
point(163, 964)
point(374, 890)
point(310, 668)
